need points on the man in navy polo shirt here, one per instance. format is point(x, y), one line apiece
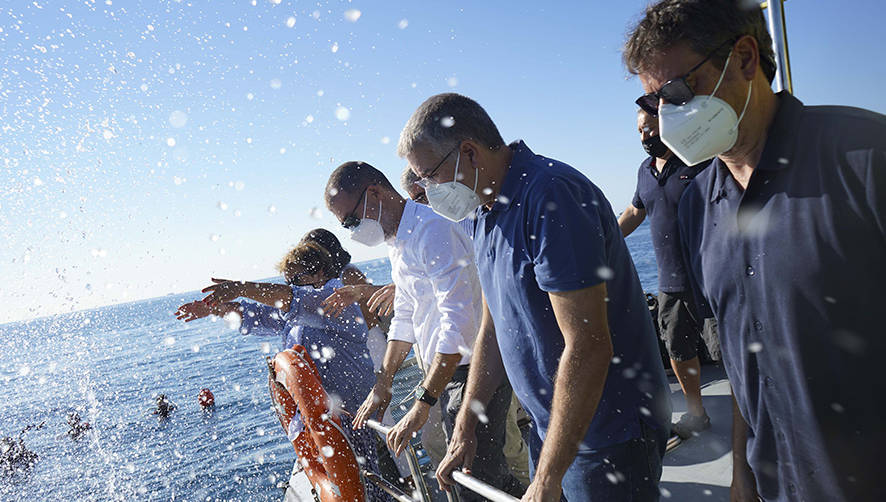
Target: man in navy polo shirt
point(564, 313)
point(786, 235)
point(660, 183)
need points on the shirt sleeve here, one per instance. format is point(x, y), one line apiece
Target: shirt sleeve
point(688, 220)
point(567, 240)
point(401, 324)
point(261, 319)
point(455, 281)
point(637, 201)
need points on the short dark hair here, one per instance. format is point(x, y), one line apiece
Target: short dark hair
point(352, 177)
point(704, 25)
point(444, 120)
point(328, 241)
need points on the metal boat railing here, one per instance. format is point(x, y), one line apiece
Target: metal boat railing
point(466, 480)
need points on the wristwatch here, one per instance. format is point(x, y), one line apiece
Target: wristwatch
point(422, 394)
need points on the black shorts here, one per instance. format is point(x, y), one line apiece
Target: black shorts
point(680, 329)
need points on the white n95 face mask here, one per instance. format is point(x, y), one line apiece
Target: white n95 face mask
point(453, 200)
point(369, 232)
point(701, 129)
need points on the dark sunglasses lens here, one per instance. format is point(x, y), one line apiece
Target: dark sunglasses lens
point(649, 104)
point(350, 222)
point(676, 92)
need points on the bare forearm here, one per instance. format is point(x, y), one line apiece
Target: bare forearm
point(440, 373)
point(395, 354)
point(275, 295)
point(581, 375)
point(630, 219)
point(226, 308)
point(578, 387)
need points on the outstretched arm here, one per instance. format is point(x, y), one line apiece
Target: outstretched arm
point(225, 290)
point(199, 309)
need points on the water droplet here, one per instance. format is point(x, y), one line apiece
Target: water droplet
point(327, 451)
point(233, 320)
point(352, 15)
point(290, 21)
point(447, 122)
point(178, 119)
point(342, 113)
point(452, 81)
point(170, 141)
point(755, 347)
point(169, 341)
point(605, 273)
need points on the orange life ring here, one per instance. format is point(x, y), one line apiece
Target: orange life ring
point(323, 449)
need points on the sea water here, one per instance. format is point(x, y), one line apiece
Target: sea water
point(109, 363)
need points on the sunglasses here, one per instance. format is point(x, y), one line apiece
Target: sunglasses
point(351, 221)
point(675, 91)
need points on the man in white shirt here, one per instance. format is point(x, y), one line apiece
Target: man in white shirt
point(436, 310)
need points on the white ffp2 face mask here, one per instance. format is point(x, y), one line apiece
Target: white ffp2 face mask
point(701, 129)
point(369, 232)
point(453, 200)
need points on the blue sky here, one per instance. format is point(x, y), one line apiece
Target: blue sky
point(146, 146)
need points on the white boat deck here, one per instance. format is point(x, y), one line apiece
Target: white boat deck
point(700, 469)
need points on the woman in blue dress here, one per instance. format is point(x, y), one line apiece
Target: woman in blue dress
point(294, 312)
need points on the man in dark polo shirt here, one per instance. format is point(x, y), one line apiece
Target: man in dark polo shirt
point(660, 183)
point(564, 313)
point(786, 235)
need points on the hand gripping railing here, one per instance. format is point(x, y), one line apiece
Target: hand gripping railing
point(466, 480)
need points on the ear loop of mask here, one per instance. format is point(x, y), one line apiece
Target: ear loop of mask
point(455, 177)
point(366, 201)
point(746, 101)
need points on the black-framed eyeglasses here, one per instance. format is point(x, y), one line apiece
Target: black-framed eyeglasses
point(424, 181)
point(351, 220)
point(675, 91)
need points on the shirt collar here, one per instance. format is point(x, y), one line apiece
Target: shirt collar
point(780, 145)
point(514, 176)
point(408, 221)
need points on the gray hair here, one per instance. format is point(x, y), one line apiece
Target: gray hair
point(704, 25)
point(445, 120)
